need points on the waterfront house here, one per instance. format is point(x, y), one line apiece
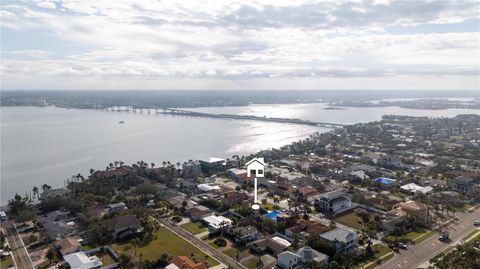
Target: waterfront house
point(192, 167)
point(300, 258)
point(213, 165)
point(342, 239)
point(412, 188)
point(333, 202)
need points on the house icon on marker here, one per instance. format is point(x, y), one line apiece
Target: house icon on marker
point(255, 168)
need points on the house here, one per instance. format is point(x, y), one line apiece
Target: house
point(69, 245)
point(413, 188)
point(240, 175)
point(303, 229)
point(204, 187)
point(305, 255)
point(80, 260)
point(125, 226)
point(197, 212)
point(116, 207)
point(184, 262)
point(51, 193)
point(243, 235)
point(414, 208)
point(213, 165)
point(57, 224)
point(388, 161)
point(255, 167)
point(463, 183)
point(215, 223)
point(192, 167)
point(342, 239)
point(334, 202)
point(234, 198)
point(274, 244)
point(308, 193)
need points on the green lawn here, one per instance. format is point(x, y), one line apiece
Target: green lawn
point(6, 262)
point(194, 227)
point(232, 252)
point(465, 207)
point(351, 219)
point(474, 235)
point(414, 236)
point(380, 250)
point(419, 235)
point(251, 263)
point(165, 242)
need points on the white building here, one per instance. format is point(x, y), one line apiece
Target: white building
point(206, 187)
point(413, 188)
point(217, 222)
point(80, 260)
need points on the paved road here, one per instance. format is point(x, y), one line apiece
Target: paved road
point(202, 245)
point(20, 254)
point(422, 252)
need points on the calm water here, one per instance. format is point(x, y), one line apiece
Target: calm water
point(317, 112)
point(48, 145)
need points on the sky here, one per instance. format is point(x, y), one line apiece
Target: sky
point(277, 44)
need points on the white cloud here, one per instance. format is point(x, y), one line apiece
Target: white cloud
point(234, 44)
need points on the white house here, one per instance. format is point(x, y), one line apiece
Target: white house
point(80, 260)
point(217, 222)
point(256, 167)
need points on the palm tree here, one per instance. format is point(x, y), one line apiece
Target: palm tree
point(50, 255)
point(35, 191)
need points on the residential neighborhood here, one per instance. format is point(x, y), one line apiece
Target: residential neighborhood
point(362, 196)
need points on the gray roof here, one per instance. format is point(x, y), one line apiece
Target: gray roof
point(332, 194)
point(338, 234)
point(309, 255)
point(463, 180)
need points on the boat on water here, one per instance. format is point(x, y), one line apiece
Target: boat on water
point(121, 122)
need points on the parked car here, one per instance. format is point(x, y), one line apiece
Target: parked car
point(477, 223)
point(401, 245)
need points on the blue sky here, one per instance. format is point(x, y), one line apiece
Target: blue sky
point(240, 44)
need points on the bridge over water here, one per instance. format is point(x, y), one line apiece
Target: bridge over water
point(188, 113)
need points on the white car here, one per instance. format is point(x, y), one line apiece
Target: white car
point(477, 223)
